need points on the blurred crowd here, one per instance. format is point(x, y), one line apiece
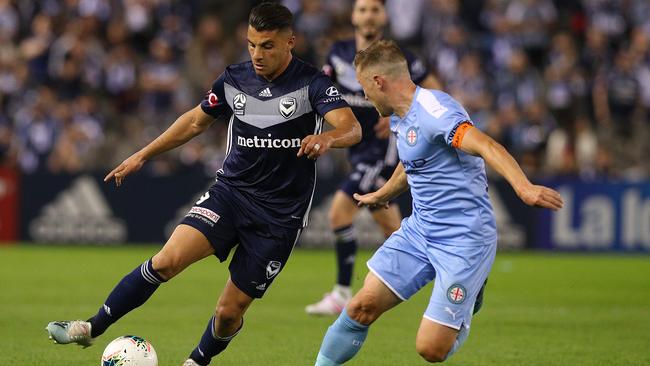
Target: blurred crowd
point(564, 85)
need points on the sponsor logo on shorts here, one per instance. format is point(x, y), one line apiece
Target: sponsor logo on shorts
point(204, 212)
point(456, 293)
point(261, 287)
point(272, 269)
point(452, 313)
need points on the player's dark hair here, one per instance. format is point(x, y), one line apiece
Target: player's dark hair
point(383, 2)
point(269, 16)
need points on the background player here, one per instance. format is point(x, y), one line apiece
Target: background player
point(451, 235)
point(263, 193)
point(373, 160)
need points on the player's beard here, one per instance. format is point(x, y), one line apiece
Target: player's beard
point(370, 33)
point(370, 36)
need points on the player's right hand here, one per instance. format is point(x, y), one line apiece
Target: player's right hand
point(371, 200)
point(540, 196)
point(315, 145)
point(132, 164)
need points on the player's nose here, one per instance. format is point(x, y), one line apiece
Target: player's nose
point(257, 54)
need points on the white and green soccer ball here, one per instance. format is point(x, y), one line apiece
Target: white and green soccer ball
point(129, 351)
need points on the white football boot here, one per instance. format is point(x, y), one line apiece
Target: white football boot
point(73, 331)
point(332, 303)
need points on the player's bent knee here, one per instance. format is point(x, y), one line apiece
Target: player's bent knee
point(432, 354)
point(166, 266)
point(363, 309)
point(228, 316)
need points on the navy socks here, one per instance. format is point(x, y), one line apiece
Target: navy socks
point(210, 344)
point(346, 249)
point(133, 291)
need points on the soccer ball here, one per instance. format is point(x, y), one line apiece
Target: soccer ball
point(129, 351)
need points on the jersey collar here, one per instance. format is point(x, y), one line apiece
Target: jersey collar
point(397, 118)
point(281, 76)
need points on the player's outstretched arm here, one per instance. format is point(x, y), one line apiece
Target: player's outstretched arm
point(396, 185)
point(188, 125)
point(346, 132)
point(495, 155)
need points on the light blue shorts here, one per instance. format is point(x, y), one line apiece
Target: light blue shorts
point(406, 262)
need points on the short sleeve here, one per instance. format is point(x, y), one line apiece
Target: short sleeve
point(215, 103)
point(446, 119)
point(324, 96)
point(417, 67)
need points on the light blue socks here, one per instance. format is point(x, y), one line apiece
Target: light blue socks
point(345, 337)
point(342, 341)
point(460, 339)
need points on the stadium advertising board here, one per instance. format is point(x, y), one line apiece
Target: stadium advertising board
point(84, 209)
point(597, 216)
point(8, 205)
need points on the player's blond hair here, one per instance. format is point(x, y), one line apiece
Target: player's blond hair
point(383, 56)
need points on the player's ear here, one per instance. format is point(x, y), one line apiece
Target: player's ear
point(379, 81)
point(291, 41)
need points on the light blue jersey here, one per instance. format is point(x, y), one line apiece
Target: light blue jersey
point(451, 235)
point(449, 187)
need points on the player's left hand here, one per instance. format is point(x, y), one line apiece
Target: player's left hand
point(370, 200)
point(540, 196)
point(128, 166)
point(382, 128)
point(314, 146)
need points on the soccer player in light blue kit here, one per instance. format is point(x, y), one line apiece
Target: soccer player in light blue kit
point(451, 235)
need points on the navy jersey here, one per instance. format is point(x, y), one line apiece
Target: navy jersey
point(340, 67)
point(268, 121)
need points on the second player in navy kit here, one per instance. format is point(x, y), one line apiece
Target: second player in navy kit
point(372, 160)
point(261, 199)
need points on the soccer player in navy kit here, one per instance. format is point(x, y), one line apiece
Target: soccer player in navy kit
point(262, 196)
point(373, 160)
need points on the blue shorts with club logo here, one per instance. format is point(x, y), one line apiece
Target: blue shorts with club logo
point(407, 261)
point(262, 248)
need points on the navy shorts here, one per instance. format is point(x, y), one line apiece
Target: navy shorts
point(262, 248)
point(366, 178)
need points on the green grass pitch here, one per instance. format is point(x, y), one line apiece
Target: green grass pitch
point(540, 309)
